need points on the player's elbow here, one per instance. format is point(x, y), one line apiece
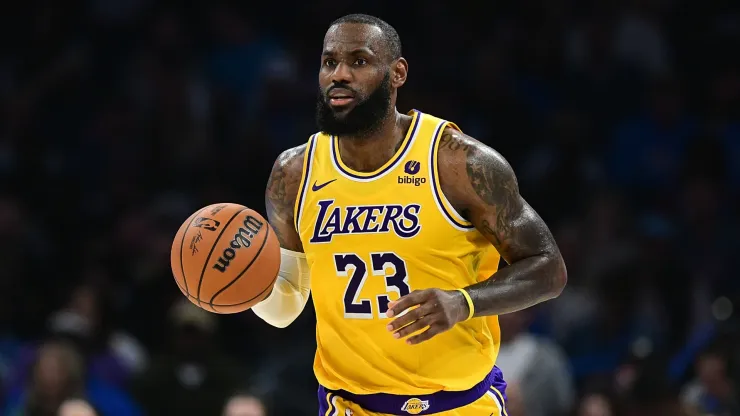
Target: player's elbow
point(281, 323)
point(558, 275)
point(283, 305)
point(281, 319)
point(280, 312)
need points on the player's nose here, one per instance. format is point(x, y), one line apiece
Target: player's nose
point(342, 74)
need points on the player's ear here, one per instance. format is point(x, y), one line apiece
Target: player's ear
point(400, 70)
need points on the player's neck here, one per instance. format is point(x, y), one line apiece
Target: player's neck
point(368, 153)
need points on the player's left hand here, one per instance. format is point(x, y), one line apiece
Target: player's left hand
point(438, 310)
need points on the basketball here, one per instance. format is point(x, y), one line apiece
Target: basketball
point(225, 258)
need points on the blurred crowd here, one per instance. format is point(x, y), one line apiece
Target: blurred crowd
point(120, 118)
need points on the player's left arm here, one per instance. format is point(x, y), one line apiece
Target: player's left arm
point(482, 186)
point(488, 195)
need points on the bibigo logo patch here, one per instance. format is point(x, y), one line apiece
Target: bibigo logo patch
point(415, 406)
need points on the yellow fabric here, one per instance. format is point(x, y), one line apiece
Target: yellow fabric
point(371, 237)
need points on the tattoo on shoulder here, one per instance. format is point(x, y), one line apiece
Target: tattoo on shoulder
point(491, 176)
point(454, 147)
point(452, 140)
point(494, 182)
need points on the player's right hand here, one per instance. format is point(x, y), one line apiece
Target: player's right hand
point(438, 310)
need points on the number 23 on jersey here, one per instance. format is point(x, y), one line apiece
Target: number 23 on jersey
point(395, 281)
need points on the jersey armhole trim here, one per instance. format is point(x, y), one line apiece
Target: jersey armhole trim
point(443, 204)
point(305, 179)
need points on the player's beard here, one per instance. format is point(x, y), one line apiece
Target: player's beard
point(362, 120)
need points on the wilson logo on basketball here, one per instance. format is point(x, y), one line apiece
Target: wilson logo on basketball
point(242, 238)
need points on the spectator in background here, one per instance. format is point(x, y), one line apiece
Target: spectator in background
point(536, 365)
point(245, 404)
point(596, 404)
point(110, 355)
point(713, 391)
point(649, 392)
point(58, 375)
point(114, 354)
point(76, 407)
point(194, 377)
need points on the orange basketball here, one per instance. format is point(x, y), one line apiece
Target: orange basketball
point(225, 258)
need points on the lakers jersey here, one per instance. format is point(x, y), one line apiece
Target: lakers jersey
point(371, 237)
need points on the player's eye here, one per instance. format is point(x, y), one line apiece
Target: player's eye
point(330, 62)
point(361, 61)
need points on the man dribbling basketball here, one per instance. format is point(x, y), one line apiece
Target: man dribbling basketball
point(396, 223)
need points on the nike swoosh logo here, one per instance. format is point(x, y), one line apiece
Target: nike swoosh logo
point(317, 187)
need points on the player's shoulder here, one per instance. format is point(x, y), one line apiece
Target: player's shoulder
point(289, 164)
point(292, 158)
point(461, 153)
point(467, 166)
point(286, 175)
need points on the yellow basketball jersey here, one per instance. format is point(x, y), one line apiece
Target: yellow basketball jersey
point(371, 237)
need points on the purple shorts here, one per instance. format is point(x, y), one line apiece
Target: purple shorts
point(440, 401)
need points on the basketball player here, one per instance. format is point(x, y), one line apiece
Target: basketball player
point(396, 223)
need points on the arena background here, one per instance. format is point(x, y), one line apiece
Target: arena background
point(120, 118)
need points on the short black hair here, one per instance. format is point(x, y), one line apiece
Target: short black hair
point(390, 36)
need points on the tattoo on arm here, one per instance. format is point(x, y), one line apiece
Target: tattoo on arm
point(281, 194)
point(488, 192)
point(495, 184)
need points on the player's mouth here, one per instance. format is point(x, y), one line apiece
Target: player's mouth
point(339, 97)
point(340, 101)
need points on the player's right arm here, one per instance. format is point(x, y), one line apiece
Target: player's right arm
point(292, 286)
